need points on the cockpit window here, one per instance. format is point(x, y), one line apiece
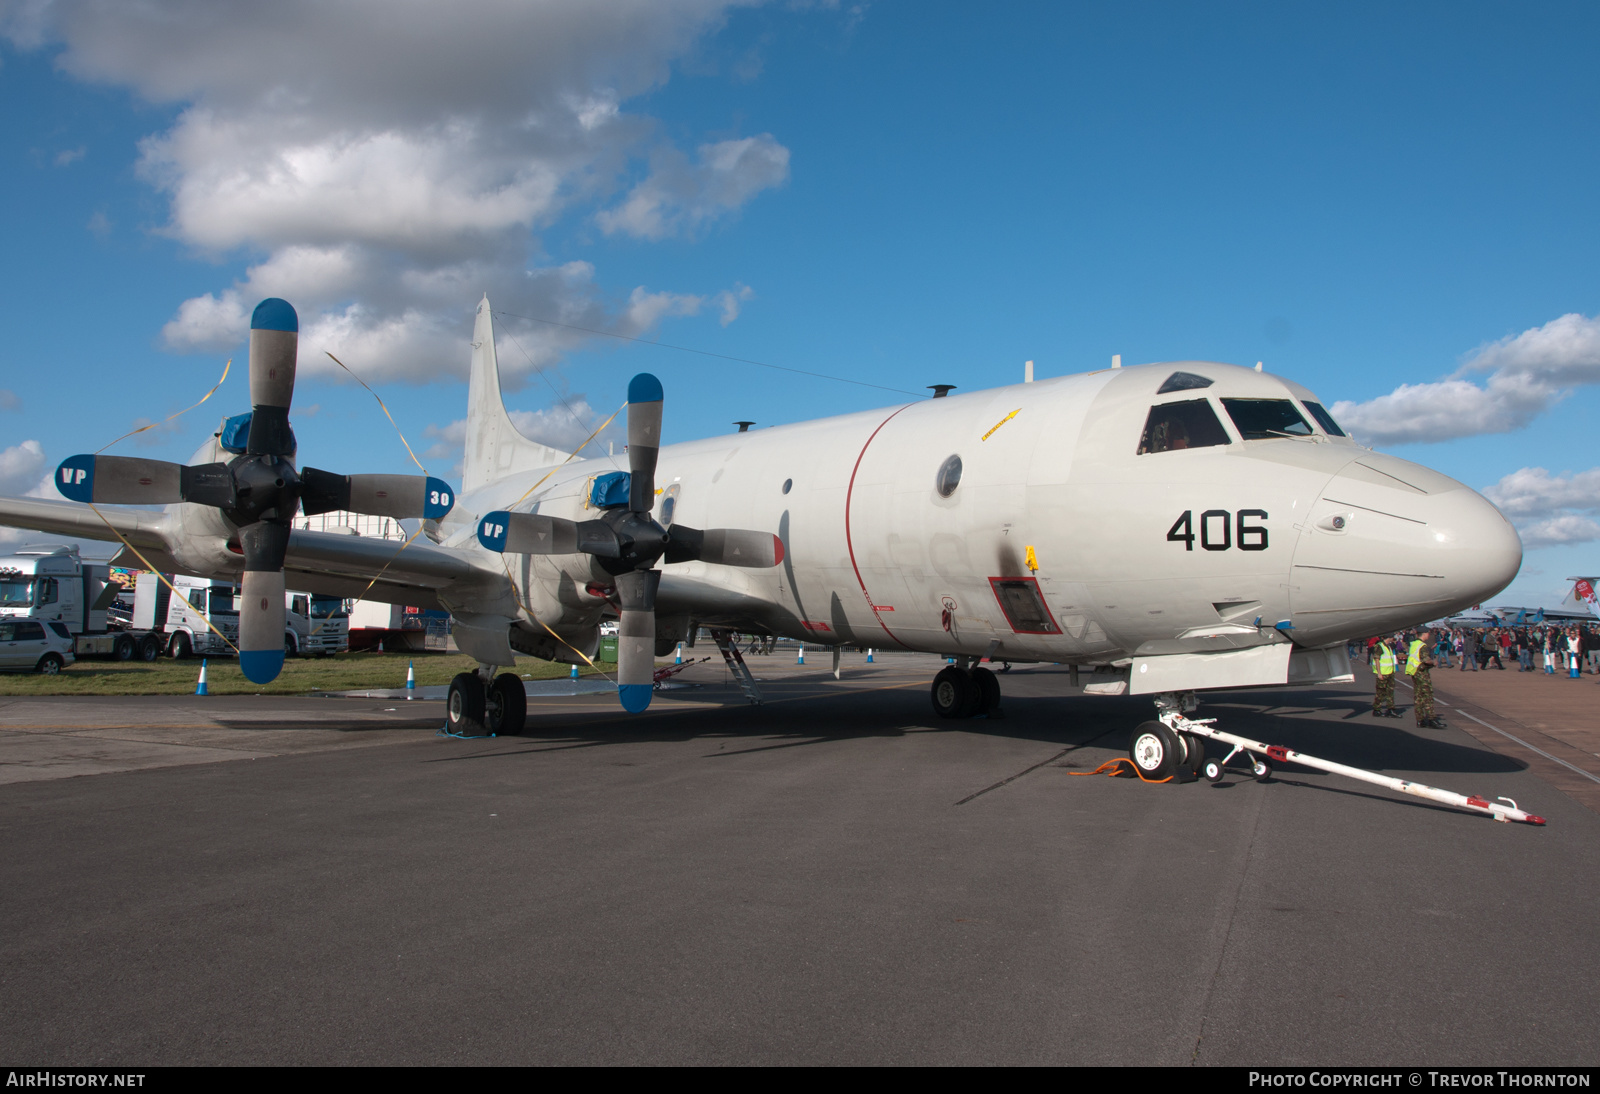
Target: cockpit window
point(1182, 381)
point(1324, 419)
point(1258, 419)
point(1172, 426)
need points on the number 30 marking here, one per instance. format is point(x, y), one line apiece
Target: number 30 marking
point(1220, 530)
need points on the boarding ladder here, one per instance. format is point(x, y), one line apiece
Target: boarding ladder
point(735, 662)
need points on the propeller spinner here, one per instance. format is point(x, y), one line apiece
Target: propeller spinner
point(627, 543)
point(258, 491)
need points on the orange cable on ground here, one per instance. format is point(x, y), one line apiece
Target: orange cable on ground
point(1112, 768)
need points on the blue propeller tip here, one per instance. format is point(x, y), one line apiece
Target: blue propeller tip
point(75, 478)
point(275, 314)
point(635, 697)
point(261, 666)
point(492, 530)
point(437, 499)
point(645, 388)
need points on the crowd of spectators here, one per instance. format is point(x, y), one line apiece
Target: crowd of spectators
point(1567, 650)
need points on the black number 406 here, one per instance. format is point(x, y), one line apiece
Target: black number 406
point(1220, 530)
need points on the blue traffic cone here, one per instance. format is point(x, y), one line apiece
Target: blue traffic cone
point(573, 675)
point(869, 655)
point(800, 660)
point(411, 679)
point(200, 688)
point(679, 661)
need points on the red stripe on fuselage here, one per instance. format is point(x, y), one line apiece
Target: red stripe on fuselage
point(850, 543)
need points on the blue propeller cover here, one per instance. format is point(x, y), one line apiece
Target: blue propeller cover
point(635, 697)
point(261, 666)
point(492, 530)
point(645, 388)
point(438, 499)
point(275, 314)
point(75, 478)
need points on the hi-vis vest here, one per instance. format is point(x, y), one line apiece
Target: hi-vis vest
point(1414, 657)
point(1385, 659)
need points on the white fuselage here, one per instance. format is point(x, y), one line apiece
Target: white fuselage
point(1311, 538)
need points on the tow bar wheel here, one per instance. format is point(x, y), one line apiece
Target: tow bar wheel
point(1155, 750)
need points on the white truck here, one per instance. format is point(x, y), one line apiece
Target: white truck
point(52, 585)
point(203, 619)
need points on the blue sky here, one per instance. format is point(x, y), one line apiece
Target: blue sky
point(1393, 204)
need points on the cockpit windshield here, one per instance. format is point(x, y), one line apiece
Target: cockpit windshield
point(1324, 419)
point(1172, 426)
point(1259, 419)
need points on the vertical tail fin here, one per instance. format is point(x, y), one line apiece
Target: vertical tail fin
point(495, 449)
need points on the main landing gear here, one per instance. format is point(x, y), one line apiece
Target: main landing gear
point(1174, 747)
point(482, 703)
point(966, 689)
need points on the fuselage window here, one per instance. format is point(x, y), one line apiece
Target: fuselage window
point(1324, 419)
point(949, 477)
point(1259, 419)
point(1173, 426)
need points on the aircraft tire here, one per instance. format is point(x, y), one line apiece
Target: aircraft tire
point(987, 687)
point(463, 708)
point(506, 708)
point(1155, 750)
point(954, 695)
point(1194, 748)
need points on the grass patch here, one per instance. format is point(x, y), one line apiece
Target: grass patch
point(340, 672)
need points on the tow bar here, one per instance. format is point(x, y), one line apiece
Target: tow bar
point(1501, 809)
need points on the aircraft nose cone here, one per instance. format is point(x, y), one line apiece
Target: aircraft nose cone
point(1390, 544)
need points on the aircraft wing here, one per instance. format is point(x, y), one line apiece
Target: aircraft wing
point(714, 606)
point(141, 527)
point(377, 569)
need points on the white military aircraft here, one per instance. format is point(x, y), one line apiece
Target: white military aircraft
point(1170, 528)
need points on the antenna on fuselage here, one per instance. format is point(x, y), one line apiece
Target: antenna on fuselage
point(1258, 366)
point(1116, 360)
point(1027, 372)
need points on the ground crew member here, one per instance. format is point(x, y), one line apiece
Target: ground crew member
point(1417, 666)
point(1383, 664)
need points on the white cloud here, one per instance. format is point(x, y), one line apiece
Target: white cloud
point(9, 400)
point(390, 164)
point(1527, 373)
point(680, 197)
point(68, 156)
point(1550, 509)
point(21, 467)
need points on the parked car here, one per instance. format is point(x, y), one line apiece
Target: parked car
point(27, 645)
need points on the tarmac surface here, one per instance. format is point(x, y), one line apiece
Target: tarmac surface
point(835, 877)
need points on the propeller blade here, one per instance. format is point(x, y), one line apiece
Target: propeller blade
point(644, 440)
point(398, 496)
point(528, 534)
point(264, 543)
point(636, 638)
point(274, 343)
point(126, 480)
point(724, 547)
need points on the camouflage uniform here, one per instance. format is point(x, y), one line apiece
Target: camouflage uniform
point(1421, 681)
point(1383, 664)
point(1383, 699)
